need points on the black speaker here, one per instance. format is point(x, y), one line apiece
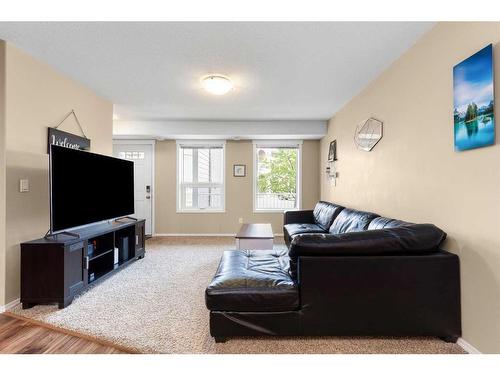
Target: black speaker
point(124, 254)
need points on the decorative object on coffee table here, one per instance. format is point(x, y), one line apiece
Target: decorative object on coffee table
point(368, 133)
point(255, 237)
point(239, 170)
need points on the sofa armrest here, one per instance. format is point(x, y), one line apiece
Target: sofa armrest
point(298, 217)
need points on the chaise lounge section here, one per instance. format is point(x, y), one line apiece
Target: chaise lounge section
point(346, 272)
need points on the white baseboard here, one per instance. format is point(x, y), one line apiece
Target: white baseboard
point(9, 306)
point(467, 346)
point(194, 235)
point(202, 234)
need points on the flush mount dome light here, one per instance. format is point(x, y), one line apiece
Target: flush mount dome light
point(217, 84)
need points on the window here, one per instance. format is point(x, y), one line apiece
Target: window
point(200, 177)
point(131, 155)
point(277, 176)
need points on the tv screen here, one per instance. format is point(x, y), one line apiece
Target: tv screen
point(87, 188)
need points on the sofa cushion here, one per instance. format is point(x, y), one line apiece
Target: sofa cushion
point(291, 230)
point(351, 221)
point(385, 222)
point(253, 280)
point(298, 217)
point(324, 213)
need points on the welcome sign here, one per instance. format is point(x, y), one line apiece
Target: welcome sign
point(64, 139)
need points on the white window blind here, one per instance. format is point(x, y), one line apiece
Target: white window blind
point(200, 177)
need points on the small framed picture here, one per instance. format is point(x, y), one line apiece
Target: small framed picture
point(239, 170)
point(332, 151)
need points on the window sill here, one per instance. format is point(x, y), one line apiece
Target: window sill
point(280, 211)
point(200, 211)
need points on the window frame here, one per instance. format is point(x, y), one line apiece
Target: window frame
point(199, 143)
point(277, 144)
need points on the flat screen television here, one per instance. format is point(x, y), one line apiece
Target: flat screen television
point(87, 188)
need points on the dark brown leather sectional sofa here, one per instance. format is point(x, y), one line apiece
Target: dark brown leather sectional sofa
point(346, 272)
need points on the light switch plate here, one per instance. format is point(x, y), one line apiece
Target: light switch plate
point(24, 185)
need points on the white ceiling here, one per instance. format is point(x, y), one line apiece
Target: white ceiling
point(282, 71)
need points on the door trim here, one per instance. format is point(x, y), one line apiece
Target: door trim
point(152, 143)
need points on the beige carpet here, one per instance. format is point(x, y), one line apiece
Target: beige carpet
point(156, 305)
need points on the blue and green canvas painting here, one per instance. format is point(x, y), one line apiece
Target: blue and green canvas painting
point(474, 119)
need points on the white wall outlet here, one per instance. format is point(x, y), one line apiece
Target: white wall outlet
point(240, 220)
point(24, 185)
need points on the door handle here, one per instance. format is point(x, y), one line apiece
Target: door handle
point(148, 196)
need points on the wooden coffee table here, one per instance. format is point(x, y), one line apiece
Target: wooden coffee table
point(255, 237)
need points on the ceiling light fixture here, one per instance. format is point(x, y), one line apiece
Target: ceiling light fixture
point(217, 84)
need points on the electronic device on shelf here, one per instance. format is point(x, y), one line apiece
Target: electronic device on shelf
point(87, 188)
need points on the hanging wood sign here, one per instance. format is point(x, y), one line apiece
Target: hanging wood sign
point(59, 138)
point(64, 139)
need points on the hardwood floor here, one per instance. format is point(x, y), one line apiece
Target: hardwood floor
point(23, 337)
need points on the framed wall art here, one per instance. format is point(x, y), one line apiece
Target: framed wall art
point(473, 99)
point(332, 151)
point(239, 170)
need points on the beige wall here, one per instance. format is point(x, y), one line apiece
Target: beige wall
point(414, 173)
point(239, 198)
point(2, 171)
point(38, 97)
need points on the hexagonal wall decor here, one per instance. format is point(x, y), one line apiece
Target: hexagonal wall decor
point(368, 134)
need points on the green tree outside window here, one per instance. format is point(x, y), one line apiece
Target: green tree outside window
point(278, 173)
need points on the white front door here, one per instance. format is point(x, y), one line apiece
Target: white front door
point(142, 156)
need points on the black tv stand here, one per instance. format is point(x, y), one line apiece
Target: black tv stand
point(55, 268)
